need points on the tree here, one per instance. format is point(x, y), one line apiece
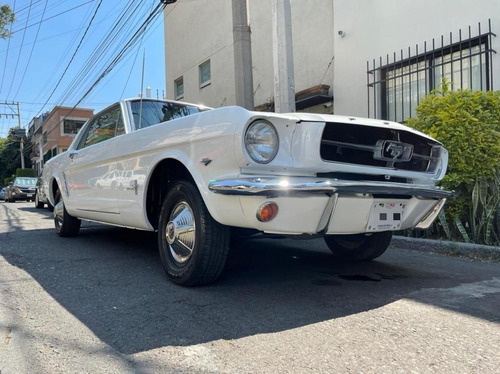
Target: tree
point(10, 156)
point(6, 18)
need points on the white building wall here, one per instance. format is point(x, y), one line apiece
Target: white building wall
point(201, 29)
point(194, 32)
point(375, 28)
point(312, 34)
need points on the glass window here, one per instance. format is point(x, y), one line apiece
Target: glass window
point(149, 112)
point(72, 126)
point(205, 74)
point(404, 86)
point(397, 84)
point(462, 69)
point(106, 126)
point(179, 88)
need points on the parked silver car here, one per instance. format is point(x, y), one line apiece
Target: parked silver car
point(40, 196)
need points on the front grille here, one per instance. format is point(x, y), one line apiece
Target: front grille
point(358, 144)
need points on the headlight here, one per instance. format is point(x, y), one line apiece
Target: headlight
point(261, 141)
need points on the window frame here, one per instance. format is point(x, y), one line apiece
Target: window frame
point(434, 61)
point(75, 119)
point(200, 73)
point(178, 95)
point(396, 83)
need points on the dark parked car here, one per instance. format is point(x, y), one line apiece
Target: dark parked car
point(23, 188)
point(2, 193)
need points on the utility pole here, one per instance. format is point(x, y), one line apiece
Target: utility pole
point(17, 114)
point(21, 145)
point(284, 81)
point(242, 55)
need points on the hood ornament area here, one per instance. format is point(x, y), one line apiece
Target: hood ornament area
point(393, 151)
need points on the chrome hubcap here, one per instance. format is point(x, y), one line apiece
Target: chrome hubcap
point(59, 214)
point(180, 232)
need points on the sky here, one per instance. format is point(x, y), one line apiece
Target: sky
point(59, 49)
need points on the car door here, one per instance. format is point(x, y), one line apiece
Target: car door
point(94, 159)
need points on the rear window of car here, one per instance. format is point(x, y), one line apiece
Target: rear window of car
point(147, 112)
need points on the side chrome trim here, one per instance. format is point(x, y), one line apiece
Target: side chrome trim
point(272, 186)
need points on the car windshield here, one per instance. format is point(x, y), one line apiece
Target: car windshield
point(25, 181)
point(153, 112)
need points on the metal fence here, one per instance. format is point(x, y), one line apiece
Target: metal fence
point(396, 83)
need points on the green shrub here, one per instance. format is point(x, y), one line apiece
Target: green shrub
point(25, 173)
point(468, 124)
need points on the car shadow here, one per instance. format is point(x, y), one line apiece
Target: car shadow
point(112, 280)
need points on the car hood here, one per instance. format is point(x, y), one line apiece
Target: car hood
point(360, 121)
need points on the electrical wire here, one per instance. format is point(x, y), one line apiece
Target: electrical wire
point(114, 48)
point(7, 54)
point(120, 55)
point(54, 16)
point(102, 53)
point(97, 58)
point(19, 55)
point(131, 42)
point(56, 71)
point(72, 57)
point(31, 53)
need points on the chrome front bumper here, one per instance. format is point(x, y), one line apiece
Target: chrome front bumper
point(275, 186)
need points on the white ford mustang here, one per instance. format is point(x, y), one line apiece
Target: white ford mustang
point(193, 174)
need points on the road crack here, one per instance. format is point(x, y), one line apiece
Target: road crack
point(7, 336)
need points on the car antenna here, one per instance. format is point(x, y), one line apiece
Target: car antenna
point(142, 87)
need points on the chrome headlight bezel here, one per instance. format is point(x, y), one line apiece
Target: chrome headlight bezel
point(261, 141)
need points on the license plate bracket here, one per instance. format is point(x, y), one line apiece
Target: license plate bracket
point(386, 215)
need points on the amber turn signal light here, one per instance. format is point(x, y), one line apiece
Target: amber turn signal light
point(267, 211)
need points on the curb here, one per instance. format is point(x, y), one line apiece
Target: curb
point(478, 252)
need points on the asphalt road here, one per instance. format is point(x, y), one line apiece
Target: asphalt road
point(100, 303)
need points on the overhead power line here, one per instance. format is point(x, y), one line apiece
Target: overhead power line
point(20, 50)
point(54, 16)
point(72, 57)
point(7, 54)
point(130, 43)
point(31, 53)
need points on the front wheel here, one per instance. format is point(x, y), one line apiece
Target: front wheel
point(359, 247)
point(38, 203)
point(66, 225)
point(193, 246)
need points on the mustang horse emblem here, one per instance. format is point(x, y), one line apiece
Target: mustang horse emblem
point(390, 150)
point(395, 150)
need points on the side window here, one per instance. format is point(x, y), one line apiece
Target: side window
point(106, 126)
point(148, 113)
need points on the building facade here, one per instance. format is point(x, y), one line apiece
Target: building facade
point(369, 58)
point(54, 131)
point(391, 53)
point(199, 50)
